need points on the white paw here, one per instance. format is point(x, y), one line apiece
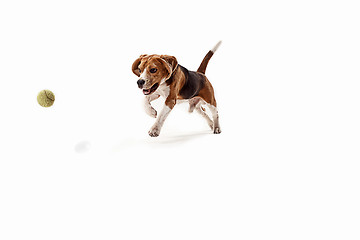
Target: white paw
point(217, 130)
point(154, 131)
point(151, 112)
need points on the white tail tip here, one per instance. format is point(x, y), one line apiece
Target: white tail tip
point(216, 46)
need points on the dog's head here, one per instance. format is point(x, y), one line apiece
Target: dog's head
point(153, 70)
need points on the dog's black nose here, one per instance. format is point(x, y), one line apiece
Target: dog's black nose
point(140, 83)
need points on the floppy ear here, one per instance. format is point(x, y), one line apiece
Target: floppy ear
point(171, 62)
point(135, 65)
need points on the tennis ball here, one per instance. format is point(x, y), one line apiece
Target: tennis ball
point(46, 98)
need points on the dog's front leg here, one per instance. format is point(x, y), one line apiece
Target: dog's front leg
point(147, 105)
point(156, 128)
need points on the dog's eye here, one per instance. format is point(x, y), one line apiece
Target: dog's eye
point(139, 70)
point(153, 70)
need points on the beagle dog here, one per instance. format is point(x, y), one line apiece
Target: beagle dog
point(161, 75)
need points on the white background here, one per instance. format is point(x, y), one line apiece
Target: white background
point(286, 80)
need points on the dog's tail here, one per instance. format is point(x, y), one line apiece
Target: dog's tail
point(206, 59)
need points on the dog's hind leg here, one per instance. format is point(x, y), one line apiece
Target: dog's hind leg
point(202, 112)
point(215, 116)
point(193, 102)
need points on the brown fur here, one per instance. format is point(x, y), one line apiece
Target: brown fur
point(165, 65)
point(182, 84)
point(164, 68)
point(205, 62)
point(207, 93)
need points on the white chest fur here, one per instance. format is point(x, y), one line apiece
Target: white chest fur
point(163, 90)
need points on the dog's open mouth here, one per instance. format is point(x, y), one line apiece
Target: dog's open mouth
point(151, 90)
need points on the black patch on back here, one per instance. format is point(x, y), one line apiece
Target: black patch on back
point(194, 82)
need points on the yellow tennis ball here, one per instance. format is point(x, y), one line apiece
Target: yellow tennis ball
point(46, 98)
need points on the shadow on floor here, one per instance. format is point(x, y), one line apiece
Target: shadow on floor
point(177, 137)
point(166, 139)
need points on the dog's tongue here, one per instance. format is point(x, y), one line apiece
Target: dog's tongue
point(146, 91)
